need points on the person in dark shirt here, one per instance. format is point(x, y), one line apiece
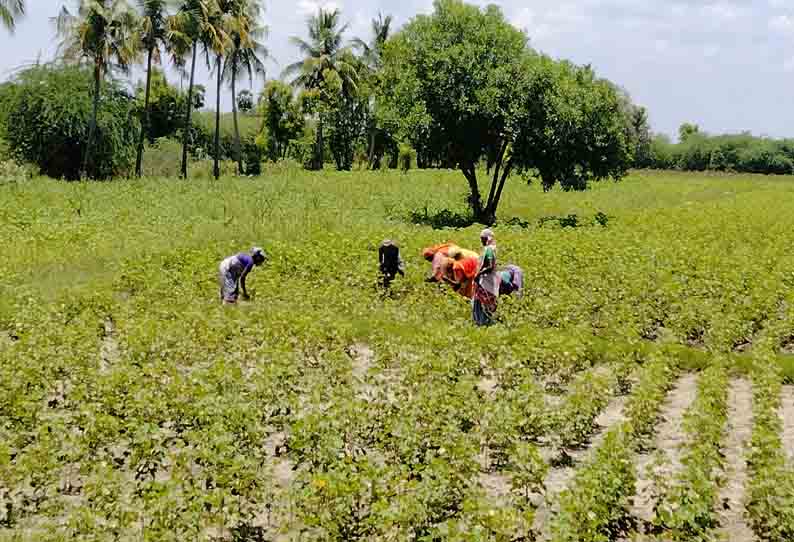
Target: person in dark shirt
point(233, 271)
point(390, 262)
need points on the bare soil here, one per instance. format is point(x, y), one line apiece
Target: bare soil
point(559, 476)
point(109, 347)
point(668, 440)
point(733, 527)
point(787, 417)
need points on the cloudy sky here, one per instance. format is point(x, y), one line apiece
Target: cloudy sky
point(727, 65)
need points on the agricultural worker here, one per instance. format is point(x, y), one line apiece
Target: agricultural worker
point(390, 262)
point(233, 271)
point(486, 283)
point(464, 269)
point(512, 280)
point(438, 255)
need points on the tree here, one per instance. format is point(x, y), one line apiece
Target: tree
point(166, 106)
point(153, 36)
point(449, 86)
point(462, 86)
point(282, 119)
point(687, 130)
point(187, 29)
point(641, 129)
point(245, 56)
point(324, 63)
point(10, 11)
point(45, 115)
point(103, 32)
point(372, 56)
point(245, 101)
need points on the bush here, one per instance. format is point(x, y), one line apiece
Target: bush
point(406, 157)
point(46, 117)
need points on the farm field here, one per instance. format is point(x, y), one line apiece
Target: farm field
point(642, 389)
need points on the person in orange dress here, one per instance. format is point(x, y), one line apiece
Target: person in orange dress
point(464, 269)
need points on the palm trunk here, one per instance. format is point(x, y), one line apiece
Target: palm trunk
point(186, 131)
point(92, 125)
point(217, 167)
point(371, 153)
point(146, 118)
point(320, 159)
point(238, 154)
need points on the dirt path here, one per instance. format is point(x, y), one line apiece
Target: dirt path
point(109, 347)
point(733, 527)
point(669, 437)
point(559, 477)
point(787, 417)
point(279, 513)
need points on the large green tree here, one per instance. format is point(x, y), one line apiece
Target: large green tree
point(282, 119)
point(10, 11)
point(245, 57)
point(463, 86)
point(326, 68)
point(154, 36)
point(103, 33)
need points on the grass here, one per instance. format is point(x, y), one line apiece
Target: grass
point(130, 399)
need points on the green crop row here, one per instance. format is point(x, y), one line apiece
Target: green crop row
point(592, 509)
point(770, 491)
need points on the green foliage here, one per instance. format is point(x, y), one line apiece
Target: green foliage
point(592, 509)
point(326, 409)
point(686, 510)
point(166, 106)
point(47, 113)
point(698, 151)
point(462, 85)
point(771, 484)
point(282, 119)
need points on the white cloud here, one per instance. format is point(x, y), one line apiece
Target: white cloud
point(781, 23)
point(310, 7)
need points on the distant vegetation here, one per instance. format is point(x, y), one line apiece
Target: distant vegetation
point(699, 151)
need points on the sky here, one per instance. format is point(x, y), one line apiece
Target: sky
point(726, 65)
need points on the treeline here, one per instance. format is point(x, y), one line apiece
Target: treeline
point(699, 151)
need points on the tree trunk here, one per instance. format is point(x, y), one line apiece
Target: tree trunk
point(186, 131)
point(146, 118)
point(371, 153)
point(217, 168)
point(505, 174)
point(320, 159)
point(475, 200)
point(238, 154)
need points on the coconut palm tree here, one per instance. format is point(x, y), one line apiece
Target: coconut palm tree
point(371, 54)
point(217, 42)
point(154, 35)
point(103, 33)
point(245, 57)
point(323, 53)
point(10, 10)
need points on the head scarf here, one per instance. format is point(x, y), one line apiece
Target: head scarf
point(488, 235)
point(258, 251)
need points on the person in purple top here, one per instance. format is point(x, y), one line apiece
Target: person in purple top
point(233, 271)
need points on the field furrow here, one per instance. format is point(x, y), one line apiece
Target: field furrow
point(733, 526)
point(668, 438)
point(786, 413)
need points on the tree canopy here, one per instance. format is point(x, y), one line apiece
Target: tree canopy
point(463, 86)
